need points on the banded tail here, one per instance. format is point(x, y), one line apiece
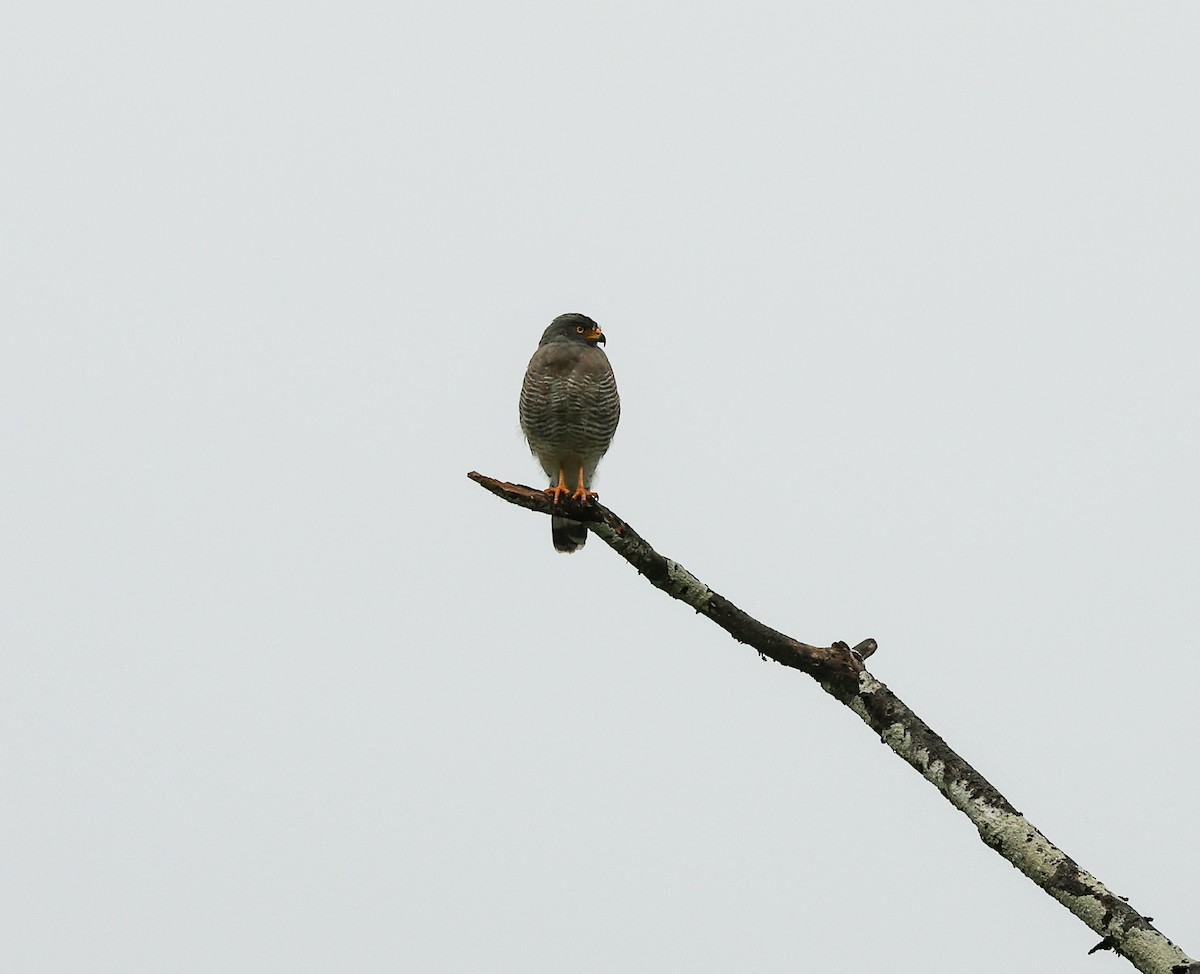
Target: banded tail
point(568, 535)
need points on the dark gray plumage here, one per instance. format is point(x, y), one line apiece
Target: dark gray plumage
point(569, 413)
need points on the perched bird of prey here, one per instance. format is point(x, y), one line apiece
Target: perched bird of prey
point(569, 413)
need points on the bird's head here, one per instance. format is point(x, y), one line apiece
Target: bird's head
point(573, 328)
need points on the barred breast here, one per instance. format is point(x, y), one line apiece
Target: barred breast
point(569, 407)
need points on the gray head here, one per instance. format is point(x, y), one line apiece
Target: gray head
point(573, 328)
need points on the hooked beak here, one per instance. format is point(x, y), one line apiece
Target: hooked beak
point(594, 335)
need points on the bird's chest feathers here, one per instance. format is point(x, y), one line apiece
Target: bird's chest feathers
point(571, 364)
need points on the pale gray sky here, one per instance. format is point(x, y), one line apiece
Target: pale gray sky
point(902, 301)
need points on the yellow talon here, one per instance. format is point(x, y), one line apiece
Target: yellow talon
point(561, 487)
point(581, 492)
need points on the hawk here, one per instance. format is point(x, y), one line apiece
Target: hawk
point(569, 413)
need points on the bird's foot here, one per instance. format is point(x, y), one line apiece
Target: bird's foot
point(583, 496)
point(557, 490)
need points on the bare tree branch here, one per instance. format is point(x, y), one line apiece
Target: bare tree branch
point(841, 672)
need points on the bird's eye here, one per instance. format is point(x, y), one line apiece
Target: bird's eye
point(579, 328)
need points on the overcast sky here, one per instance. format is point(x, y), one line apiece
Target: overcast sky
point(902, 304)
